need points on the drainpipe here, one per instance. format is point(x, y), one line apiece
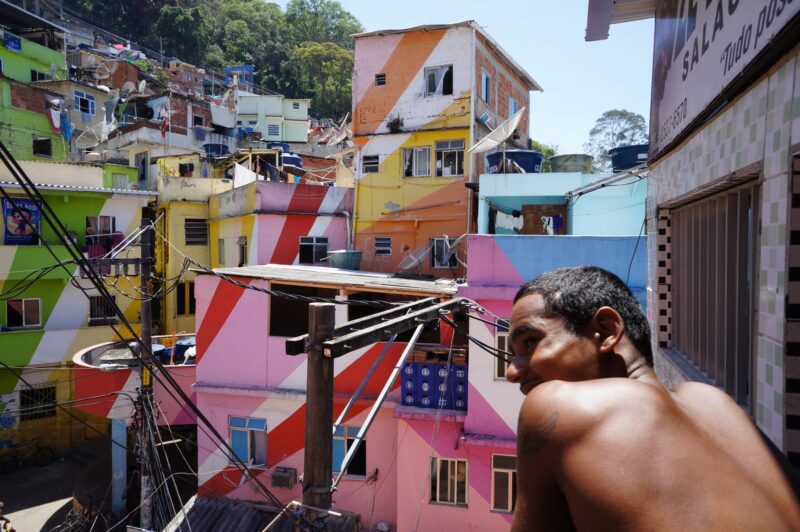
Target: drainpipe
point(349, 228)
point(470, 193)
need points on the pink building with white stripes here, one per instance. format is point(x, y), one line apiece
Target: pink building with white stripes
point(430, 460)
point(272, 222)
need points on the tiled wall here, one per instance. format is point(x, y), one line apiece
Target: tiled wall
point(753, 135)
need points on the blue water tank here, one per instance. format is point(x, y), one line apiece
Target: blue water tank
point(291, 160)
point(625, 157)
point(279, 146)
point(529, 160)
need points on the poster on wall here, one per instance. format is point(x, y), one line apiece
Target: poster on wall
point(700, 47)
point(20, 223)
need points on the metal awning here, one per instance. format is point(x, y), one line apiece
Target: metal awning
point(637, 171)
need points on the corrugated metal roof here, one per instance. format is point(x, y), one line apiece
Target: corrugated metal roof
point(339, 278)
point(77, 188)
point(213, 515)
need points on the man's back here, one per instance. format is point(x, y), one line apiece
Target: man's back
point(619, 453)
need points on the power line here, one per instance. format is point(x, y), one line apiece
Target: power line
point(276, 293)
point(72, 248)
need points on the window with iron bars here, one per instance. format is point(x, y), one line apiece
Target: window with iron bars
point(715, 243)
point(37, 403)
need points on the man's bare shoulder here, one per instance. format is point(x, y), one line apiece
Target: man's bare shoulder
point(559, 411)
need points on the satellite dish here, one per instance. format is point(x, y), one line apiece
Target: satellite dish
point(127, 89)
point(415, 259)
point(499, 134)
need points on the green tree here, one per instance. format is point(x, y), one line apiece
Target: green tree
point(614, 128)
point(548, 150)
point(322, 72)
point(186, 31)
point(321, 21)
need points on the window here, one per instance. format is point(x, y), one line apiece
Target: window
point(221, 251)
point(288, 317)
point(449, 481)
point(513, 106)
point(296, 105)
point(198, 120)
point(242, 245)
point(313, 249)
point(380, 79)
point(369, 164)
point(23, 313)
point(42, 146)
point(101, 312)
point(450, 158)
point(84, 103)
point(186, 303)
point(120, 181)
point(714, 249)
point(486, 85)
point(504, 482)
point(40, 76)
point(501, 344)
point(273, 130)
point(443, 256)
point(383, 245)
point(37, 403)
point(343, 439)
point(100, 225)
point(249, 439)
point(195, 231)
point(417, 161)
point(439, 80)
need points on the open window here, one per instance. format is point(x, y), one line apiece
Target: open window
point(313, 249)
point(442, 254)
point(417, 161)
point(343, 440)
point(450, 158)
point(370, 164)
point(439, 80)
point(249, 439)
point(449, 481)
point(504, 482)
point(289, 317)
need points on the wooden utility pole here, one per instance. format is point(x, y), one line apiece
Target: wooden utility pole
point(146, 390)
point(317, 468)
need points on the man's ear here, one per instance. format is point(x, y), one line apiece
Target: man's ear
point(609, 327)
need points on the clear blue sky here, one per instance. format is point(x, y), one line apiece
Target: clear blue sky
point(581, 80)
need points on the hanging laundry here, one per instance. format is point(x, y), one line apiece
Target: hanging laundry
point(111, 104)
point(55, 120)
point(199, 133)
point(86, 117)
point(66, 127)
point(205, 168)
point(164, 128)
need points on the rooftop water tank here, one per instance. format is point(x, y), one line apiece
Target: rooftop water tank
point(626, 157)
point(279, 146)
point(289, 159)
point(529, 160)
point(571, 162)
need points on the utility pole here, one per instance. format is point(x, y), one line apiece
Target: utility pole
point(146, 389)
point(317, 469)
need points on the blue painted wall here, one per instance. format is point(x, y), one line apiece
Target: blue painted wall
point(614, 210)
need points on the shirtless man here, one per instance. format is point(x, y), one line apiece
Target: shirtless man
point(602, 445)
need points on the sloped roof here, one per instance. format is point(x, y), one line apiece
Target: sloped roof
point(515, 67)
point(339, 278)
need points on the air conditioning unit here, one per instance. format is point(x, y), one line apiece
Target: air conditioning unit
point(284, 477)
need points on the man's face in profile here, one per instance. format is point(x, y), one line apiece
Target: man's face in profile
point(546, 349)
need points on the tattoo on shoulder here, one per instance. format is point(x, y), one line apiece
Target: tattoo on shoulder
point(532, 439)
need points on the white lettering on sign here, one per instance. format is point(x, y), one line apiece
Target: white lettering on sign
point(700, 47)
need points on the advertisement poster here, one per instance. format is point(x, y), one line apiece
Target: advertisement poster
point(20, 224)
point(700, 47)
